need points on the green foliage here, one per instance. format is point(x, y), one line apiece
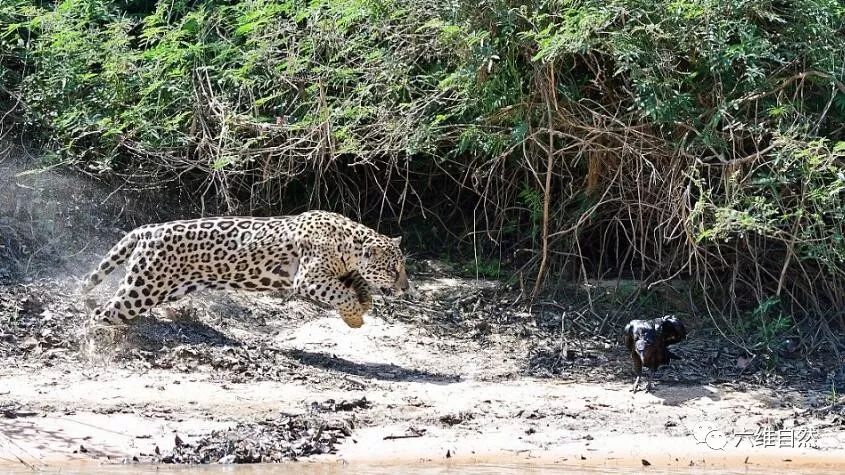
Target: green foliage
point(484, 269)
point(833, 396)
point(766, 324)
point(102, 77)
point(796, 197)
point(407, 72)
point(533, 200)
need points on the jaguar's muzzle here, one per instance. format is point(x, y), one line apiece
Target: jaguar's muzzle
point(400, 286)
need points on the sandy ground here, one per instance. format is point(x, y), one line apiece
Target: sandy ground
point(434, 398)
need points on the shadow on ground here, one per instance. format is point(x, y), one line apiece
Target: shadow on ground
point(381, 371)
point(674, 394)
point(152, 334)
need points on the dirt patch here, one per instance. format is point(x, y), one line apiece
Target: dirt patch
point(270, 441)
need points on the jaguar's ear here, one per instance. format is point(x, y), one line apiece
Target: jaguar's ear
point(397, 240)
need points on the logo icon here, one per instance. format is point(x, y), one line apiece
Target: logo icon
point(708, 434)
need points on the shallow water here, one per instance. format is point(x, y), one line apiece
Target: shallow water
point(389, 469)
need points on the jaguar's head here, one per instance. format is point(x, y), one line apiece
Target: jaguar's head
point(383, 265)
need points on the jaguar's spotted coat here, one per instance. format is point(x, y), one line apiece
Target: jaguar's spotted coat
point(318, 254)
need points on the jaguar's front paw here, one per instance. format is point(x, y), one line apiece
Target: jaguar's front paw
point(353, 321)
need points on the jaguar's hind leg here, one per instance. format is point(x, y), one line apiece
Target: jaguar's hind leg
point(135, 296)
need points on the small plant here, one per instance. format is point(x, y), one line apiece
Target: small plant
point(833, 396)
point(765, 324)
point(533, 200)
point(485, 268)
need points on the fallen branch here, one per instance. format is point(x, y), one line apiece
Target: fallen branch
point(413, 434)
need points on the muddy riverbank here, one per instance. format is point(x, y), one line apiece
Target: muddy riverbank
point(453, 374)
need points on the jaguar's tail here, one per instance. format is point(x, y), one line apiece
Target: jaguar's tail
point(116, 256)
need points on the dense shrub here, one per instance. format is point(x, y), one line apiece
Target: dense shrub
point(644, 139)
